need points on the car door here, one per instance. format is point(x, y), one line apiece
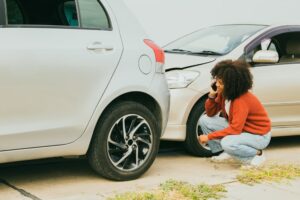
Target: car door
point(277, 85)
point(54, 66)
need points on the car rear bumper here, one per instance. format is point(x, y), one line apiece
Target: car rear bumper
point(159, 90)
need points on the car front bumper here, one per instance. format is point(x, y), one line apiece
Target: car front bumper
point(182, 102)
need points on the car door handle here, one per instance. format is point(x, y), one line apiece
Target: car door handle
point(99, 46)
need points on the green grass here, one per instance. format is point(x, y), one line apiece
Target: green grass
point(175, 190)
point(272, 173)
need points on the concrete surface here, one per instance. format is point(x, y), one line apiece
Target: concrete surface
point(266, 191)
point(72, 179)
point(9, 193)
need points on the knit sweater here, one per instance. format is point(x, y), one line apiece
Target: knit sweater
point(246, 114)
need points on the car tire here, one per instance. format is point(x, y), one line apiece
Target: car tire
point(124, 157)
point(193, 130)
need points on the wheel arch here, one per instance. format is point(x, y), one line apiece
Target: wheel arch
point(138, 97)
point(203, 97)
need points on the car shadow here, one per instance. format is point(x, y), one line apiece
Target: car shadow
point(63, 168)
point(46, 168)
point(283, 142)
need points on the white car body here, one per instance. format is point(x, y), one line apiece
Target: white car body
point(57, 82)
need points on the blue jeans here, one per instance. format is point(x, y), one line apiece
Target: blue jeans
point(242, 147)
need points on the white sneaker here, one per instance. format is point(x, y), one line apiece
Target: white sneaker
point(222, 157)
point(258, 161)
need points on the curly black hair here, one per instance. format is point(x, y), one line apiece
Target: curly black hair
point(236, 77)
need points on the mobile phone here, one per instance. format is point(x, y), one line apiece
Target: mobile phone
point(214, 86)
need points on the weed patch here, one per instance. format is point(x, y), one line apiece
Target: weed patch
point(273, 173)
point(174, 190)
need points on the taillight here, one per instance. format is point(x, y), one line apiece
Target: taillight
point(158, 52)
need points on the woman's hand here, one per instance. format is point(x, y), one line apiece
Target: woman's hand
point(203, 139)
point(213, 89)
point(212, 93)
point(216, 88)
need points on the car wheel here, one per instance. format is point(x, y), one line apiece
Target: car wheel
point(125, 142)
point(193, 131)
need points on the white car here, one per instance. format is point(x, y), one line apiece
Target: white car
point(80, 77)
point(274, 53)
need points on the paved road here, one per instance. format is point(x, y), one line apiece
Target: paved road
point(71, 179)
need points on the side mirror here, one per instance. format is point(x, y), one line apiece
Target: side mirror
point(265, 56)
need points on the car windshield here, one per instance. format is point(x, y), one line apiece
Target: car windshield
point(215, 40)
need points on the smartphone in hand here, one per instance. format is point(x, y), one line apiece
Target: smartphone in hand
point(214, 86)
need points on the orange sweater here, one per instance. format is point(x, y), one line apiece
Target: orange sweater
point(246, 114)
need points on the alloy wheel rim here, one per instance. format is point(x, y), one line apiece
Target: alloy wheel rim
point(130, 142)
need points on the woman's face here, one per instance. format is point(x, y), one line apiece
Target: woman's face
point(220, 85)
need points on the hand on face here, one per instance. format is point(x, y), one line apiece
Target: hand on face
point(219, 85)
point(213, 89)
point(213, 93)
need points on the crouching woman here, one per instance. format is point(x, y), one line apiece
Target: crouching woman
point(235, 121)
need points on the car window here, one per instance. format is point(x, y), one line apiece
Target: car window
point(287, 45)
point(290, 43)
point(42, 12)
point(69, 11)
point(272, 47)
point(14, 13)
point(93, 14)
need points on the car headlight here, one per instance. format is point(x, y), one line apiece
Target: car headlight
point(180, 79)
